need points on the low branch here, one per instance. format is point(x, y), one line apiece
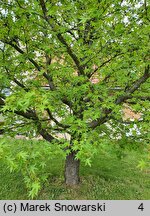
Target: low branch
point(31, 115)
point(44, 133)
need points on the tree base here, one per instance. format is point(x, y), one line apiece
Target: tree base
point(72, 169)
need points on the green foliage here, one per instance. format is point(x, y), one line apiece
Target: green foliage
point(51, 53)
point(107, 178)
point(31, 159)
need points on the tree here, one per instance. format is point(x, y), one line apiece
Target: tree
point(51, 51)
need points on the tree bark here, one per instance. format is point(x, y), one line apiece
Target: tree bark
point(72, 169)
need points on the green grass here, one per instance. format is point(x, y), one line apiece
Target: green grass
point(107, 178)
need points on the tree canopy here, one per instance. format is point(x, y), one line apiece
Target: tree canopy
point(51, 53)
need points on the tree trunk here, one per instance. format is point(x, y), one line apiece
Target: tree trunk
point(71, 169)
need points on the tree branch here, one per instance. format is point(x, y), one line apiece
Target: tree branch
point(44, 133)
point(48, 78)
point(138, 83)
point(20, 84)
point(128, 122)
point(72, 55)
point(2, 102)
point(31, 115)
point(55, 120)
point(120, 99)
point(22, 52)
point(103, 64)
point(62, 40)
point(100, 121)
point(134, 86)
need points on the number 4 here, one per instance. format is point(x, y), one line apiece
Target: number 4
point(141, 207)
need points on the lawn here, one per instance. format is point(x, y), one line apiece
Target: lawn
point(108, 178)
